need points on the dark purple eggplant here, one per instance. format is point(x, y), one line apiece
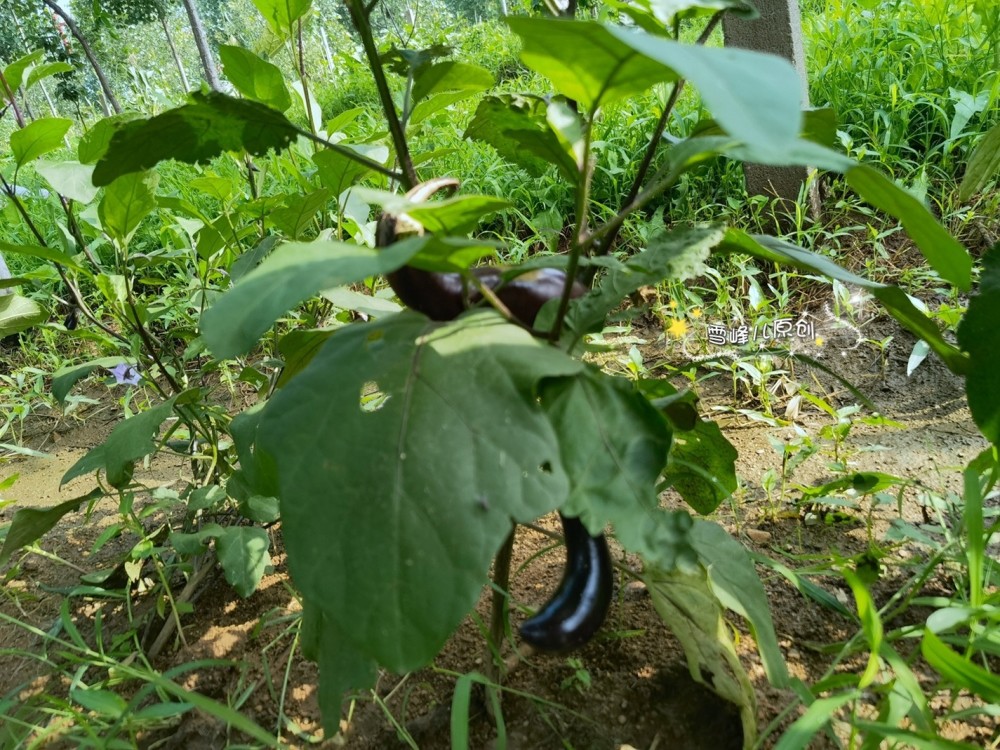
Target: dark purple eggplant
point(444, 296)
point(580, 604)
point(577, 610)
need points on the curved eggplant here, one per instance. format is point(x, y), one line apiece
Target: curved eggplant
point(580, 604)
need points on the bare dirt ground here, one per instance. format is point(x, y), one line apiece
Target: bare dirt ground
point(630, 686)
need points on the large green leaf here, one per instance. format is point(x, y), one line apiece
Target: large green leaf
point(30, 524)
point(895, 299)
point(126, 202)
point(392, 513)
point(979, 335)
point(282, 14)
point(192, 133)
point(296, 216)
point(338, 172)
point(292, 273)
point(14, 72)
point(38, 138)
point(755, 97)
point(614, 445)
point(41, 72)
point(687, 604)
point(702, 466)
point(243, 555)
point(44, 253)
point(255, 78)
point(439, 85)
point(129, 441)
point(983, 164)
point(735, 583)
point(958, 670)
point(69, 178)
point(19, 313)
point(517, 127)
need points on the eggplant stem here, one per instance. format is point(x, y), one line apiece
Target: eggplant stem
point(499, 615)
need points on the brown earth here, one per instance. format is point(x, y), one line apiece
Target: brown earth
point(630, 686)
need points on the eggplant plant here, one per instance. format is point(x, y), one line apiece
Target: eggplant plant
point(403, 448)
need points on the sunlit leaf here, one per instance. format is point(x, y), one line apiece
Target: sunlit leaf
point(38, 138)
point(193, 133)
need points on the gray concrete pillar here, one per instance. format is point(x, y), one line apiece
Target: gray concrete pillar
point(778, 31)
point(4, 274)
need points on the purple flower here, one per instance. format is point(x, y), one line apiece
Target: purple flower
point(125, 374)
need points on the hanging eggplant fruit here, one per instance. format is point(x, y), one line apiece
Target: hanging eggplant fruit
point(578, 608)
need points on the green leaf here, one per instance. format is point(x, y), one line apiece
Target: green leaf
point(193, 133)
point(673, 255)
point(260, 509)
point(453, 217)
point(255, 78)
point(342, 667)
point(735, 583)
point(69, 178)
point(959, 671)
point(45, 253)
point(983, 164)
point(297, 214)
point(702, 466)
point(129, 441)
point(14, 73)
point(755, 97)
point(30, 524)
point(40, 72)
point(517, 127)
point(440, 85)
point(338, 172)
point(449, 76)
point(895, 299)
point(297, 349)
point(871, 626)
point(282, 14)
point(945, 254)
point(613, 445)
point(101, 702)
point(38, 138)
point(800, 734)
point(94, 143)
point(686, 603)
point(242, 552)
point(979, 335)
point(658, 16)
point(19, 313)
point(292, 273)
point(126, 202)
point(66, 377)
point(397, 557)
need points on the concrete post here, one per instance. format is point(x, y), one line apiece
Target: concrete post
point(4, 274)
point(778, 31)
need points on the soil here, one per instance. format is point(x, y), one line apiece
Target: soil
point(629, 687)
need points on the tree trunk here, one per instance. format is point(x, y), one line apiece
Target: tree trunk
point(173, 53)
point(503, 8)
point(98, 71)
point(201, 40)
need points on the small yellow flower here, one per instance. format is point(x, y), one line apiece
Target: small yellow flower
point(819, 341)
point(696, 312)
point(677, 327)
point(672, 304)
